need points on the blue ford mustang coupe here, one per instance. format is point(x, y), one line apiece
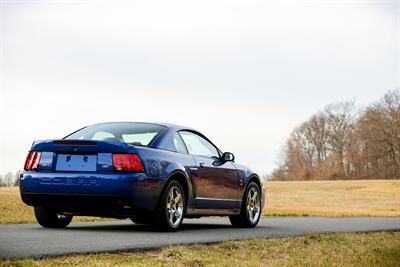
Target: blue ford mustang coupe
point(151, 173)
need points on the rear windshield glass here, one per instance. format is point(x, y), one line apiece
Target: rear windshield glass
point(133, 133)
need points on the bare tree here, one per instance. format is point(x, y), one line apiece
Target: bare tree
point(9, 179)
point(318, 135)
point(379, 128)
point(17, 179)
point(341, 121)
point(343, 142)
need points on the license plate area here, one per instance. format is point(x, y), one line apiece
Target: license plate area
point(78, 163)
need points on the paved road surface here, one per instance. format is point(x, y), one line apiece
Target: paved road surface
point(31, 240)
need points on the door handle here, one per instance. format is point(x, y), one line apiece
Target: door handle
point(202, 165)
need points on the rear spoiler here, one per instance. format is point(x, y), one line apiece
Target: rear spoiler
point(74, 143)
point(82, 146)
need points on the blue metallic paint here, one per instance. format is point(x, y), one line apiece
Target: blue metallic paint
point(206, 194)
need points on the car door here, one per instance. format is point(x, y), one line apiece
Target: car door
point(216, 182)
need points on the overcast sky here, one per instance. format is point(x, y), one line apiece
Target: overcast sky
point(242, 72)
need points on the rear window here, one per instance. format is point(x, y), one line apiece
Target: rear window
point(133, 133)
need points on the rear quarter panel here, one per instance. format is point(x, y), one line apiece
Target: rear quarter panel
point(160, 165)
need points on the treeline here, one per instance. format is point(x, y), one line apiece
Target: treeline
point(345, 142)
point(9, 179)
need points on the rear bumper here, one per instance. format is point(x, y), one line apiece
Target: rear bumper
point(81, 192)
point(89, 205)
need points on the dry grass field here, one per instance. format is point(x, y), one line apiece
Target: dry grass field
point(313, 198)
point(345, 249)
point(333, 198)
point(13, 210)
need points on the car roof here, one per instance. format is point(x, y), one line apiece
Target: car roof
point(171, 126)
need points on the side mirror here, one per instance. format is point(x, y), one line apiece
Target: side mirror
point(228, 156)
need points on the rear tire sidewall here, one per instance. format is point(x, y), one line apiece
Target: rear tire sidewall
point(163, 222)
point(48, 217)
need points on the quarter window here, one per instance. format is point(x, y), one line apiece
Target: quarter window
point(179, 145)
point(197, 145)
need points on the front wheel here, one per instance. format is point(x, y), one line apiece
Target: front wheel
point(49, 218)
point(170, 211)
point(250, 212)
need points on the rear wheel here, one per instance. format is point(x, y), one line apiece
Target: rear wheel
point(251, 208)
point(170, 211)
point(49, 218)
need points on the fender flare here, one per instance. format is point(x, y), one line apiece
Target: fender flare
point(256, 178)
point(188, 185)
point(253, 177)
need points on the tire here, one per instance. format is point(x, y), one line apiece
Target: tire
point(171, 208)
point(49, 218)
point(250, 211)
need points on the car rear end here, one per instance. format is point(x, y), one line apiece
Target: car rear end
point(88, 177)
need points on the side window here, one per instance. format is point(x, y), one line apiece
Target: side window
point(179, 145)
point(139, 139)
point(197, 145)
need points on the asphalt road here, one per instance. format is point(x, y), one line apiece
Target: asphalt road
point(31, 240)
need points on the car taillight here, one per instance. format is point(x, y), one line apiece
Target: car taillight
point(127, 163)
point(32, 160)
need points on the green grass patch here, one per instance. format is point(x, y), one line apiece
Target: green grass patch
point(344, 249)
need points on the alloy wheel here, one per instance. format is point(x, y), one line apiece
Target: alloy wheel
point(175, 206)
point(253, 205)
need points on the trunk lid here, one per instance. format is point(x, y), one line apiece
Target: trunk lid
point(81, 146)
point(78, 155)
